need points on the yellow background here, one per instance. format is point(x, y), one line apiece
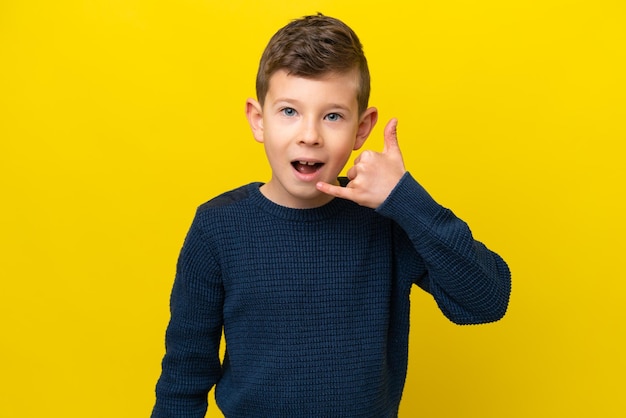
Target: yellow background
point(119, 117)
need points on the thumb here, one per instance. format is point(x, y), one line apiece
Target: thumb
point(391, 136)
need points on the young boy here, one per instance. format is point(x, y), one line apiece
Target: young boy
point(309, 279)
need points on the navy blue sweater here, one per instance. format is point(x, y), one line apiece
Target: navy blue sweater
point(314, 303)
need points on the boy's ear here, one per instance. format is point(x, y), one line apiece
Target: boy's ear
point(254, 114)
point(366, 124)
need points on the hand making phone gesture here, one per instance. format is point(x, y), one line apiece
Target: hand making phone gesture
point(374, 174)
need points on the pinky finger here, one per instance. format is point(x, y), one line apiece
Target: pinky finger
point(332, 190)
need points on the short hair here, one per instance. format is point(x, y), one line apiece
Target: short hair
point(311, 47)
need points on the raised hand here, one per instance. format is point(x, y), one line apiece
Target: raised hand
point(374, 174)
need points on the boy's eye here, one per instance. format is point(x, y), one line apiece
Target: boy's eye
point(289, 111)
point(333, 117)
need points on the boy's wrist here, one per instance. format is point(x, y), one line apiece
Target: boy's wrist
point(410, 202)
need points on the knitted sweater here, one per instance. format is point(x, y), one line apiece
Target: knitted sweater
point(314, 303)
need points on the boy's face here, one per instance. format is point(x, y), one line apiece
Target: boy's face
point(309, 128)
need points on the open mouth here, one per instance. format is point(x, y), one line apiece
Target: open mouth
point(306, 167)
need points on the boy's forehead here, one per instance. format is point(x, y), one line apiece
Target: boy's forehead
point(283, 82)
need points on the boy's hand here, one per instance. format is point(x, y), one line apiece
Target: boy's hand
point(374, 174)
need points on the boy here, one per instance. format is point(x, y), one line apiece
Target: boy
point(308, 279)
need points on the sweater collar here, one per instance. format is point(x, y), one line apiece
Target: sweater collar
point(326, 211)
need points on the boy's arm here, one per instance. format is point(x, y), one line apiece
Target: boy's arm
point(191, 365)
point(470, 283)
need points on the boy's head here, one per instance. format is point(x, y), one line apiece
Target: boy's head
point(312, 110)
point(312, 47)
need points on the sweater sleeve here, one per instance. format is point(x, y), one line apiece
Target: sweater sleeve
point(191, 365)
point(470, 283)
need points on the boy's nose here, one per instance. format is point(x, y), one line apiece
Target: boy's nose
point(311, 135)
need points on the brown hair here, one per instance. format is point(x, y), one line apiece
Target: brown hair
point(313, 46)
